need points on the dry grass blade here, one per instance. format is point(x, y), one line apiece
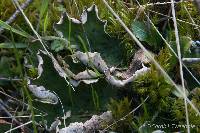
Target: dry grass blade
point(18, 127)
point(180, 63)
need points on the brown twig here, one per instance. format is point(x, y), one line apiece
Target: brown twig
point(15, 121)
point(16, 13)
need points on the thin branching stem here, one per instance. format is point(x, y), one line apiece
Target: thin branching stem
point(192, 20)
point(180, 20)
point(163, 3)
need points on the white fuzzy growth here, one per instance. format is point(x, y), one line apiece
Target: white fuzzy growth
point(141, 71)
point(45, 95)
point(70, 18)
point(73, 128)
point(87, 76)
point(56, 65)
point(95, 60)
point(84, 17)
point(120, 83)
point(54, 126)
point(92, 59)
point(40, 69)
point(89, 126)
point(58, 68)
point(75, 83)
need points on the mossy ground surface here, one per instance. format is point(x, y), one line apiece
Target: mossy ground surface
point(164, 105)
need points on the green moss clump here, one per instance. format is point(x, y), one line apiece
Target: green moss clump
point(153, 83)
point(121, 108)
point(178, 110)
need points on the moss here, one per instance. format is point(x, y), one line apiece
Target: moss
point(161, 107)
point(153, 83)
point(184, 28)
point(121, 108)
point(178, 112)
